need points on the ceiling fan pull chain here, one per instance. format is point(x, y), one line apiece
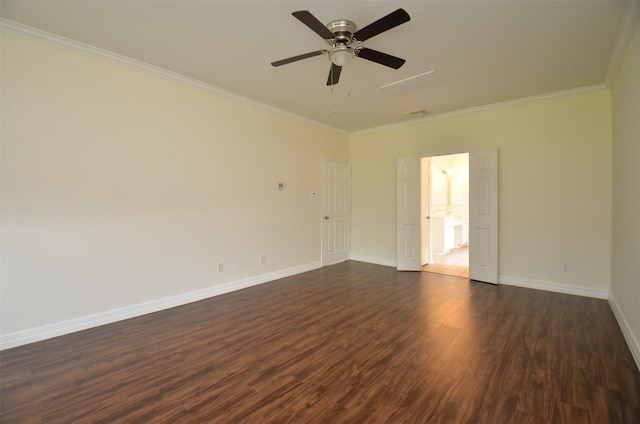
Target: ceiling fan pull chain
point(349, 79)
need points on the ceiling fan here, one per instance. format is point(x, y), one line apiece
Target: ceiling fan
point(343, 36)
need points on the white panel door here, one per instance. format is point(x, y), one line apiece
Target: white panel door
point(425, 210)
point(335, 211)
point(408, 215)
point(483, 215)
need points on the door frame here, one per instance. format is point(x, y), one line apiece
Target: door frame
point(408, 265)
point(429, 191)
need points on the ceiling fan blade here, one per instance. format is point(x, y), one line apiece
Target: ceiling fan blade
point(383, 24)
point(299, 57)
point(312, 22)
point(379, 57)
point(334, 74)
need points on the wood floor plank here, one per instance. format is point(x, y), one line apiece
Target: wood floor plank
point(349, 343)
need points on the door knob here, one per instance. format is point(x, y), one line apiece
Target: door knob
point(326, 217)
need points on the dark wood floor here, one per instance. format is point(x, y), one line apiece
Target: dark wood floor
point(350, 343)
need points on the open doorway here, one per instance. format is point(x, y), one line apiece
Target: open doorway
point(483, 214)
point(444, 209)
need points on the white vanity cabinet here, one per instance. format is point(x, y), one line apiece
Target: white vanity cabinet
point(443, 234)
point(448, 232)
point(465, 231)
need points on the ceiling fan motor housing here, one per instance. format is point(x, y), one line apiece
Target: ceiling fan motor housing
point(343, 29)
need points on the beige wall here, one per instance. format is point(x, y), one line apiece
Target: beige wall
point(554, 185)
point(625, 241)
point(120, 187)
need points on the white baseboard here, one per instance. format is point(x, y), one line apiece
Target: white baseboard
point(633, 343)
point(372, 260)
point(553, 287)
point(512, 281)
point(19, 338)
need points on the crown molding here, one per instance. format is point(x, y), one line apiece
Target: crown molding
point(96, 52)
point(491, 106)
point(630, 22)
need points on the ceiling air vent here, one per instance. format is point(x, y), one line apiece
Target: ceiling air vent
point(417, 113)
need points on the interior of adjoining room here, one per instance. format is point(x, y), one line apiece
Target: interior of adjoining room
point(444, 200)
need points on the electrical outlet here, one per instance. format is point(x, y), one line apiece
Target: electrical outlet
point(566, 267)
point(262, 258)
point(220, 267)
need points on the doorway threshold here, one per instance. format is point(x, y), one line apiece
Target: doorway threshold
point(454, 263)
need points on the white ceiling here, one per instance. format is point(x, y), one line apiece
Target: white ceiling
point(482, 52)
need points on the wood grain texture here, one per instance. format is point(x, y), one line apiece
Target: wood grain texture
point(349, 343)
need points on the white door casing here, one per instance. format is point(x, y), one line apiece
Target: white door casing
point(483, 215)
point(335, 211)
point(408, 253)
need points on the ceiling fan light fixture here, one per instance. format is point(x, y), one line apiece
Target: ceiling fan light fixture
point(341, 55)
